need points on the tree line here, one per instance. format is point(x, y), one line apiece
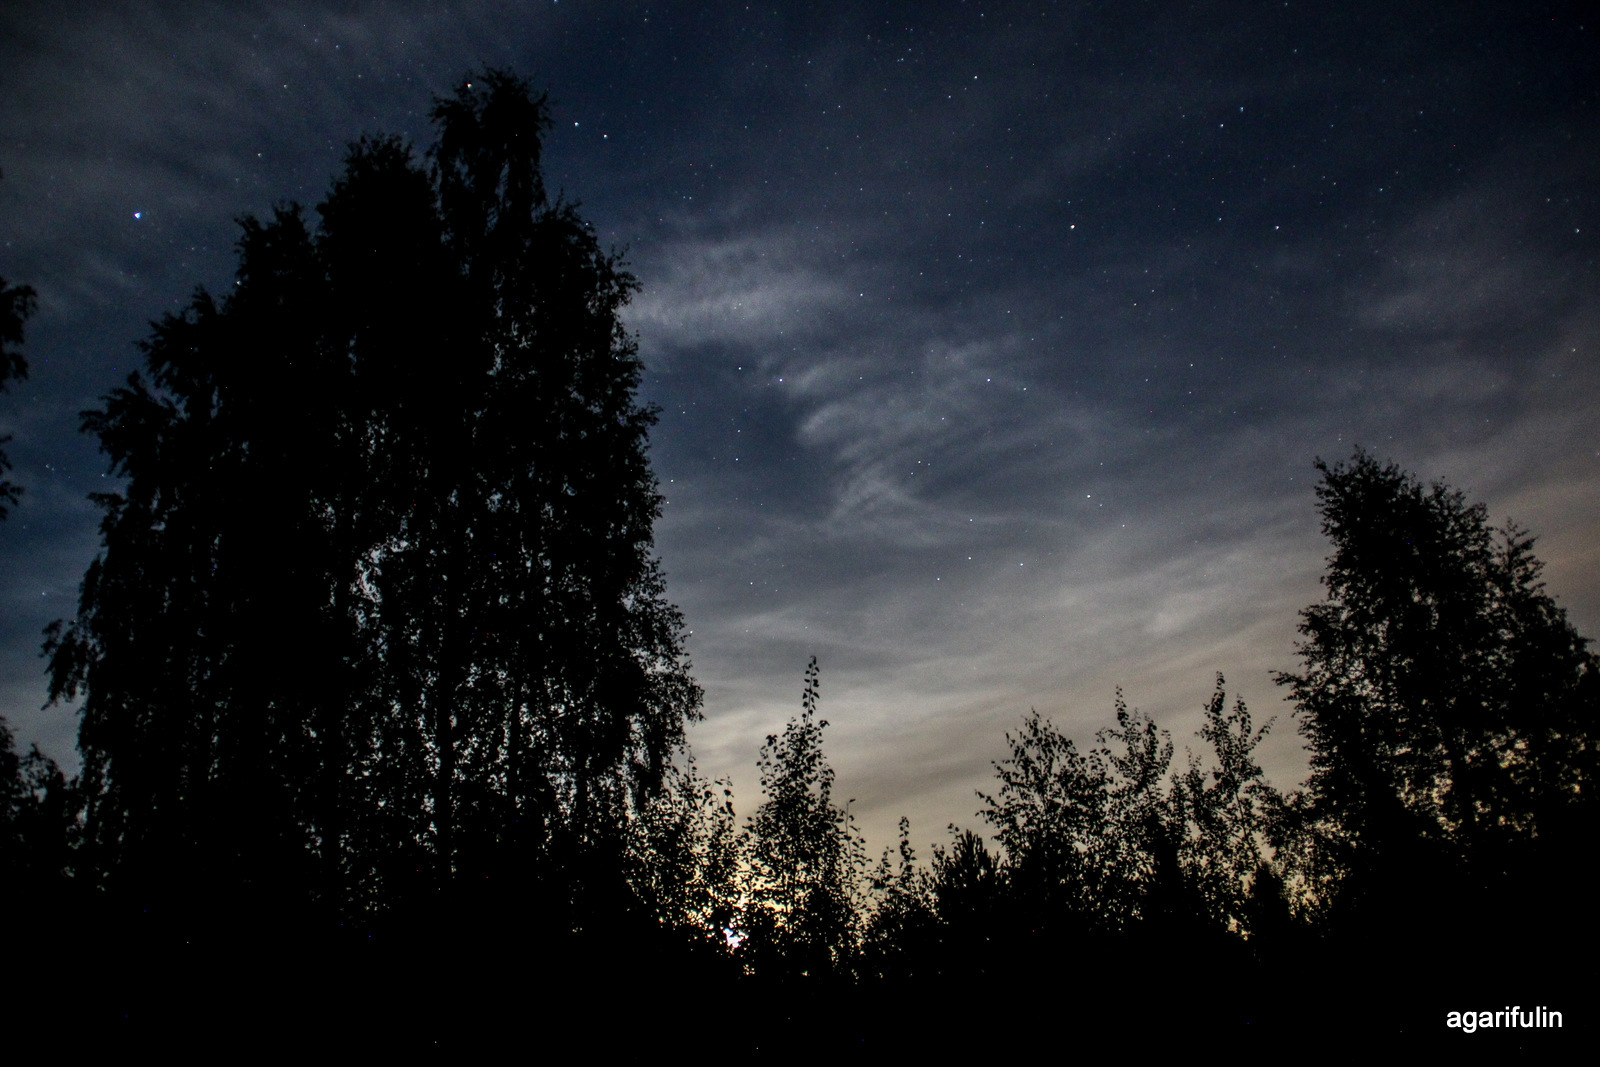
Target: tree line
point(376, 663)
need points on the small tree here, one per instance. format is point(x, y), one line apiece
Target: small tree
point(803, 854)
point(1136, 873)
point(683, 855)
point(1049, 816)
point(1226, 813)
point(35, 825)
point(900, 932)
point(965, 881)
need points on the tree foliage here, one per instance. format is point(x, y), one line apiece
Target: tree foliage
point(35, 821)
point(965, 881)
point(683, 855)
point(1048, 814)
point(1114, 839)
point(1135, 870)
point(802, 853)
point(902, 921)
point(17, 303)
point(376, 608)
point(1445, 700)
point(1083, 833)
point(1228, 813)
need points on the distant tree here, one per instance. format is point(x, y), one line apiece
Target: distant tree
point(1113, 862)
point(16, 305)
point(802, 854)
point(376, 612)
point(1115, 841)
point(965, 881)
point(1447, 703)
point(968, 893)
point(900, 935)
point(1136, 874)
point(35, 825)
point(1227, 812)
point(1049, 815)
point(1089, 838)
point(683, 856)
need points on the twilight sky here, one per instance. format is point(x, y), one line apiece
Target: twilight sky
point(993, 342)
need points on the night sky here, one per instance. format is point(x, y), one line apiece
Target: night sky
point(993, 342)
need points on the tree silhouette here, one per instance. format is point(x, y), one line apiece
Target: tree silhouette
point(1049, 817)
point(1113, 861)
point(1448, 707)
point(377, 616)
point(1113, 842)
point(1135, 872)
point(684, 856)
point(899, 940)
point(1228, 813)
point(802, 855)
point(16, 305)
point(1088, 838)
point(35, 825)
point(968, 891)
